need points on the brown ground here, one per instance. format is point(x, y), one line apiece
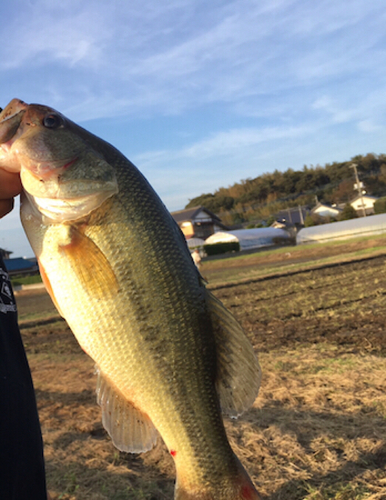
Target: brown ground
point(317, 430)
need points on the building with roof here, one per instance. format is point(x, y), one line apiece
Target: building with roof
point(5, 254)
point(197, 222)
point(363, 204)
point(326, 210)
point(20, 265)
point(293, 216)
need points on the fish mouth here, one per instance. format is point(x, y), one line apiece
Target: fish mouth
point(10, 124)
point(12, 115)
point(10, 120)
point(8, 130)
point(15, 107)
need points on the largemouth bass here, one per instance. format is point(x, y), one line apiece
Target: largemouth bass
point(169, 356)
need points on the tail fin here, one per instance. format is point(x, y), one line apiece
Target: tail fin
point(232, 488)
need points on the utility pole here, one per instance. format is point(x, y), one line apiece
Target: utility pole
point(301, 215)
point(358, 186)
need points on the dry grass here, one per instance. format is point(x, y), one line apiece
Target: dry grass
point(317, 430)
point(318, 427)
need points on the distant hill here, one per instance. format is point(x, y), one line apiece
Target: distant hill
point(258, 198)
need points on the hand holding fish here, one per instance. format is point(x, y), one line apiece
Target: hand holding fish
point(10, 186)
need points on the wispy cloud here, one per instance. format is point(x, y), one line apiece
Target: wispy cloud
point(172, 57)
point(39, 37)
point(222, 144)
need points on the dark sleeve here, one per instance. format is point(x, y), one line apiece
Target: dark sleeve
point(22, 475)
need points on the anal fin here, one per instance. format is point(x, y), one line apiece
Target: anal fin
point(130, 429)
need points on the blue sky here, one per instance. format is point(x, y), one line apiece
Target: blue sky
point(202, 94)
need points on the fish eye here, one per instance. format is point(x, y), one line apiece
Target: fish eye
point(52, 121)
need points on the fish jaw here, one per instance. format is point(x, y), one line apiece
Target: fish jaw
point(68, 192)
point(61, 210)
point(10, 119)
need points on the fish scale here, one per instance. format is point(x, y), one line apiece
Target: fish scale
point(97, 341)
point(169, 356)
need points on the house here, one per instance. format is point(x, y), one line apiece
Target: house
point(19, 266)
point(363, 203)
point(197, 222)
point(5, 254)
point(293, 215)
point(325, 210)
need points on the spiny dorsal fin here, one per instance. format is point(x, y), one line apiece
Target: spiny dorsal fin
point(239, 374)
point(130, 429)
point(90, 264)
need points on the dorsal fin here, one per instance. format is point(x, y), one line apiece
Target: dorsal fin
point(130, 429)
point(239, 374)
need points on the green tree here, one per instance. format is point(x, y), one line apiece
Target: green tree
point(203, 199)
point(309, 221)
point(348, 213)
point(380, 206)
point(256, 198)
point(271, 219)
point(315, 220)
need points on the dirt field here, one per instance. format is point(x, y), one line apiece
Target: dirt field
point(317, 430)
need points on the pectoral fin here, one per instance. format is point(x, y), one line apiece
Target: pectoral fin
point(239, 374)
point(130, 429)
point(48, 286)
point(90, 264)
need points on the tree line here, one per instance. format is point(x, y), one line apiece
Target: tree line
point(261, 197)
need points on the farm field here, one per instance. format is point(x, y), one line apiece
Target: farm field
point(317, 431)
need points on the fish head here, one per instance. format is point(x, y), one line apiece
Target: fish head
point(62, 175)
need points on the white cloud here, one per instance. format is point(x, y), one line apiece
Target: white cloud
point(221, 144)
point(368, 126)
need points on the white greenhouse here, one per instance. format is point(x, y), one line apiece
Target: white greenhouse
point(249, 238)
point(364, 226)
point(195, 243)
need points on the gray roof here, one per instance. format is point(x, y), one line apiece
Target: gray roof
point(190, 214)
point(292, 215)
